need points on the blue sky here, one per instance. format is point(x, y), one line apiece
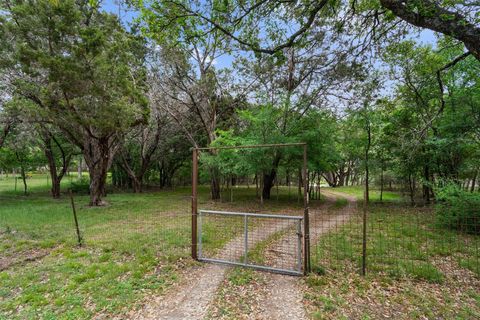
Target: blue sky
point(125, 15)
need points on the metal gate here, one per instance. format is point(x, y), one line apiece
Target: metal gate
point(269, 242)
point(294, 223)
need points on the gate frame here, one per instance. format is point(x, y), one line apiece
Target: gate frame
point(306, 222)
point(298, 220)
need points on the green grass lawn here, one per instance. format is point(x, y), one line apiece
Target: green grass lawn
point(140, 243)
point(131, 247)
point(358, 192)
point(137, 244)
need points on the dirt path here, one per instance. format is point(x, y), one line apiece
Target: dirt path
point(323, 221)
point(282, 297)
point(190, 299)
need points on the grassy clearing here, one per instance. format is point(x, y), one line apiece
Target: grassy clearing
point(358, 191)
point(400, 241)
point(133, 247)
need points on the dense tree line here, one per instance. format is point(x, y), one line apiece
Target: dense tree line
point(375, 107)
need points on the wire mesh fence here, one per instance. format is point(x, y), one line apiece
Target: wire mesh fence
point(400, 241)
point(152, 227)
point(336, 235)
point(140, 243)
point(270, 242)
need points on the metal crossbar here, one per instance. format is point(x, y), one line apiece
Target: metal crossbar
point(240, 245)
point(258, 215)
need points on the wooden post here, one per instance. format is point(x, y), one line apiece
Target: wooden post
point(306, 221)
point(194, 201)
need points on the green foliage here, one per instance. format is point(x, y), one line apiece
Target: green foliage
point(80, 185)
point(77, 65)
point(458, 209)
point(270, 125)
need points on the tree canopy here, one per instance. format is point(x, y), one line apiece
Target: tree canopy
point(376, 106)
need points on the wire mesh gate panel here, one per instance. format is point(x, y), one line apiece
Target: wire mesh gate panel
point(269, 242)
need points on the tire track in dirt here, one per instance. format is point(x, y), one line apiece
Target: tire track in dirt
point(283, 298)
point(190, 298)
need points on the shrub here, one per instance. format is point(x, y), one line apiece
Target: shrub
point(458, 209)
point(81, 186)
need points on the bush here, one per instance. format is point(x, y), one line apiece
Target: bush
point(81, 186)
point(458, 209)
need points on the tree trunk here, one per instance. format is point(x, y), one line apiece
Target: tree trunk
point(261, 187)
point(98, 157)
point(4, 133)
point(24, 179)
point(214, 184)
point(56, 175)
point(381, 184)
point(98, 177)
point(474, 181)
point(426, 186)
point(268, 183)
point(411, 185)
point(137, 185)
point(331, 179)
point(55, 191)
point(341, 176)
point(135, 178)
point(269, 177)
point(22, 174)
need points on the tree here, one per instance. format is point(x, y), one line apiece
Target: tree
point(139, 147)
point(6, 127)
point(431, 121)
point(21, 152)
point(192, 95)
point(265, 26)
point(77, 69)
point(260, 125)
point(455, 19)
point(59, 153)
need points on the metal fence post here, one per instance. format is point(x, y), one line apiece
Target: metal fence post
point(77, 229)
point(306, 220)
point(245, 260)
point(299, 245)
point(364, 235)
point(194, 202)
point(200, 220)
